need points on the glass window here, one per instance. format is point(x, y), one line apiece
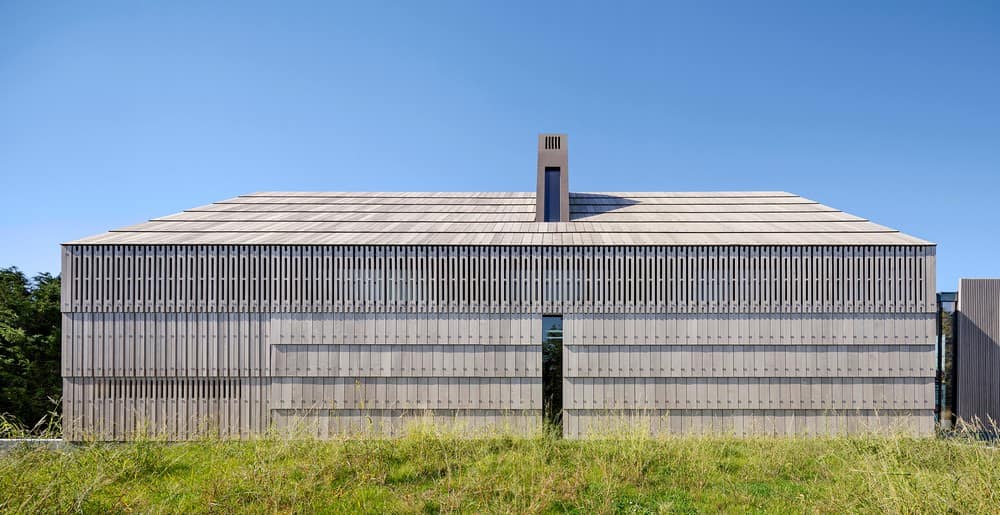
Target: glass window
point(552, 193)
point(552, 340)
point(944, 405)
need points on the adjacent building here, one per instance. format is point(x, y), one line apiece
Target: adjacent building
point(977, 353)
point(744, 312)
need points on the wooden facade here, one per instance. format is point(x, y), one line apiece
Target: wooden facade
point(977, 354)
point(234, 340)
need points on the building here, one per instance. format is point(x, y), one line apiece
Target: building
point(747, 312)
point(977, 352)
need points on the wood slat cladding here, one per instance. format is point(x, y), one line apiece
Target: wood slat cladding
point(447, 345)
point(642, 393)
point(742, 370)
point(745, 361)
point(506, 219)
point(469, 279)
point(745, 421)
point(115, 408)
point(977, 355)
point(233, 340)
point(393, 422)
point(139, 373)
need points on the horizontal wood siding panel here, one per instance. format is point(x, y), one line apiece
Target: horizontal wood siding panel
point(756, 361)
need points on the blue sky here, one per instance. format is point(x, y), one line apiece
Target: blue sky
point(113, 113)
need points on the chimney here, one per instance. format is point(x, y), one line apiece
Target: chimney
point(552, 193)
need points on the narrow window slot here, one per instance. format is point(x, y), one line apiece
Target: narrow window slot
point(552, 193)
point(552, 383)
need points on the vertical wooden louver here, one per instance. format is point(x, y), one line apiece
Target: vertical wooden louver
point(184, 340)
point(470, 279)
point(977, 334)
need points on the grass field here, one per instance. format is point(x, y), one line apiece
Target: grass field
point(428, 471)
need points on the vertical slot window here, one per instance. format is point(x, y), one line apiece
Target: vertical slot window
point(552, 193)
point(552, 383)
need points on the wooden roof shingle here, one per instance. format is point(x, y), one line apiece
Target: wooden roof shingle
point(507, 218)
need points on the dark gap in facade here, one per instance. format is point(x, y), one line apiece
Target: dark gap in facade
point(552, 367)
point(552, 193)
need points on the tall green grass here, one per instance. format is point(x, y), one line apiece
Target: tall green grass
point(50, 426)
point(431, 470)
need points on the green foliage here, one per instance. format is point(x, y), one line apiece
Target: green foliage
point(435, 472)
point(30, 326)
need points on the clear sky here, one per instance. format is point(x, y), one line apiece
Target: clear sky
point(114, 113)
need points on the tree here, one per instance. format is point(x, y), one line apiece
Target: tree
point(30, 332)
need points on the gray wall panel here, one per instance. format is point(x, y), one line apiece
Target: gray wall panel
point(748, 393)
point(602, 423)
point(462, 279)
point(721, 361)
point(230, 340)
point(978, 351)
point(786, 365)
point(207, 375)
